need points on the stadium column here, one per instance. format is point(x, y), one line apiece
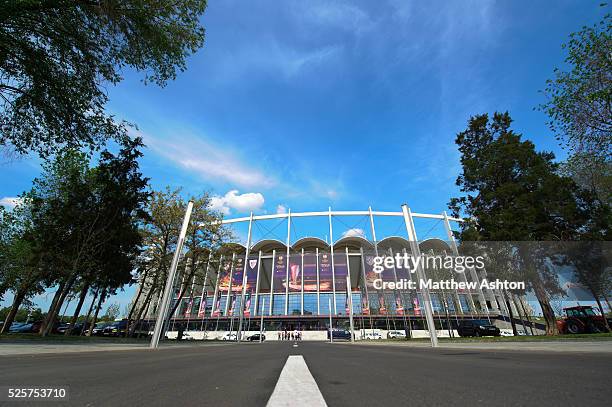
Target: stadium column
point(272, 281)
point(287, 261)
point(256, 309)
point(216, 292)
point(331, 246)
point(455, 250)
point(204, 291)
point(244, 277)
point(229, 289)
point(416, 252)
point(318, 289)
point(302, 279)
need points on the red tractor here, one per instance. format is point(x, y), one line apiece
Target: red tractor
point(581, 319)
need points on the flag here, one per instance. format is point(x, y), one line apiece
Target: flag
point(233, 305)
point(202, 310)
point(217, 310)
point(399, 308)
point(383, 309)
point(189, 307)
point(348, 304)
point(247, 305)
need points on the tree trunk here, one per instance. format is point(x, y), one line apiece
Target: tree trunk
point(52, 315)
point(510, 314)
point(98, 307)
point(129, 316)
point(53, 306)
point(527, 315)
point(93, 301)
point(547, 311)
point(77, 311)
point(19, 297)
point(603, 315)
point(607, 302)
point(145, 304)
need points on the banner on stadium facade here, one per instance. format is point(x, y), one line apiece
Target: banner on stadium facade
point(295, 274)
point(325, 272)
point(225, 276)
point(238, 275)
point(340, 271)
point(280, 273)
point(309, 273)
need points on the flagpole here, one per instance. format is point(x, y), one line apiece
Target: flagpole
point(350, 305)
point(331, 333)
point(244, 277)
point(163, 309)
point(261, 323)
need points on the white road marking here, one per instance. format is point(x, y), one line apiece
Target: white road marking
point(296, 386)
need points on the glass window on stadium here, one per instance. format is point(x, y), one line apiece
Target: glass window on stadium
point(356, 303)
point(295, 304)
point(465, 304)
point(278, 304)
point(263, 304)
point(310, 304)
point(341, 303)
point(325, 299)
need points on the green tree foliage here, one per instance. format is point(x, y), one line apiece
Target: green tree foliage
point(84, 225)
point(56, 57)
point(513, 193)
point(579, 104)
point(160, 233)
point(579, 101)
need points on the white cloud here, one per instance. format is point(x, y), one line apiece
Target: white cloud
point(10, 201)
point(233, 200)
point(344, 16)
point(281, 209)
point(355, 232)
point(272, 57)
point(211, 162)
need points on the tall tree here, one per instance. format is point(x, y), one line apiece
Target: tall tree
point(513, 193)
point(579, 100)
point(57, 57)
point(579, 104)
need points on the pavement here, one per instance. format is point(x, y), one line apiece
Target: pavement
point(250, 374)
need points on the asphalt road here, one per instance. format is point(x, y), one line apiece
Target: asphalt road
point(355, 375)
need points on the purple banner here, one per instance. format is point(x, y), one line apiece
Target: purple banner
point(325, 272)
point(280, 273)
point(309, 273)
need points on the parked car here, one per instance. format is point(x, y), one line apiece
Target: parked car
point(76, 330)
point(20, 327)
point(99, 328)
point(477, 327)
point(396, 335)
point(256, 337)
point(116, 328)
point(340, 334)
point(230, 336)
point(372, 335)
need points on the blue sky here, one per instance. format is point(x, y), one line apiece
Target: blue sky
point(344, 104)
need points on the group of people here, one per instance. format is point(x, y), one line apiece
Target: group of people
point(290, 336)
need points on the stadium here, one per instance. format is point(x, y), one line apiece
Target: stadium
point(307, 281)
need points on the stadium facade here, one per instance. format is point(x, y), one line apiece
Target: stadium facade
point(299, 284)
